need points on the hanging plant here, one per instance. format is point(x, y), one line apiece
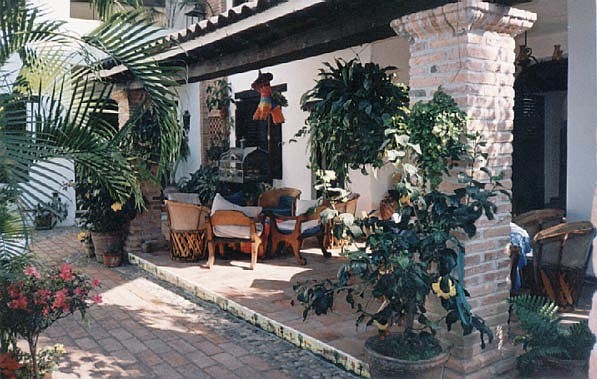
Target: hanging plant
point(350, 109)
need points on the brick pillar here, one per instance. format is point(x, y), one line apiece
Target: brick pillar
point(147, 225)
point(467, 48)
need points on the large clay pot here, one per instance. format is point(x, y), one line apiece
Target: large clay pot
point(103, 243)
point(382, 366)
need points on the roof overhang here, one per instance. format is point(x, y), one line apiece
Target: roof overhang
point(268, 32)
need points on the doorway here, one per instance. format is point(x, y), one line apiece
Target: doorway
point(539, 145)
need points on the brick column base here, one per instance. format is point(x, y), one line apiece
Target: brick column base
point(467, 48)
point(147, 226)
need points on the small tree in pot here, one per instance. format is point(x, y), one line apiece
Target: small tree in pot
point(417, 251)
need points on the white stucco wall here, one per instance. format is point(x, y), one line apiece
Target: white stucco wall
point(188, 99)
point(54, 9)
point(300, 76)
point(582, 98)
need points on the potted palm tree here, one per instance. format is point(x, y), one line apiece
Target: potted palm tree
point(415, 253)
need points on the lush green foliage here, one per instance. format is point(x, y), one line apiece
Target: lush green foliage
point(102, 212)
point(54, 99)
point(48, 214)
point(219, 95)
point(436, 127)
point(350, 108)
point(546, 335)
point(417, 252)
point(205, 182)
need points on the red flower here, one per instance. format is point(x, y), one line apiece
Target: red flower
point(13, 291)
point(78, 291)
point(97, 299)
point(8, 366)
point(65, 272)
point(95, 283)
point(31, 271)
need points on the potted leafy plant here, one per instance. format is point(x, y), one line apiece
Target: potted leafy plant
point(205, 182)
point(416, 253)
point(549, 339)
point(48, 214)
point(105, 218)
point(349, 109)
point(219, 97)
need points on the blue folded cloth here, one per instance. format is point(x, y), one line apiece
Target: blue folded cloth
point(520, 237)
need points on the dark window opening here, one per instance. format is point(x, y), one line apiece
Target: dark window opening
point(264, 134)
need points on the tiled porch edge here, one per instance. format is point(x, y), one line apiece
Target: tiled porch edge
point(336, 356)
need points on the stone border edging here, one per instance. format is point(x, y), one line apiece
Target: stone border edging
point(329, 353)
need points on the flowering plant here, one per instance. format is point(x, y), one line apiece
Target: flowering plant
point(103, 213)
point(33, 300)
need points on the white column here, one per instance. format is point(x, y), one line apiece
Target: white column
point(581, 198)
point(582, 109)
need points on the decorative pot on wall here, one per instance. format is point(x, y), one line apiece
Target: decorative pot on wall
point(109, 244)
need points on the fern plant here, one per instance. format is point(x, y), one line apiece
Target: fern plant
point(546, 335)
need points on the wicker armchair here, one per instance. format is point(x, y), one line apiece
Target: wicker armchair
point(560, 260)
point(187, 224)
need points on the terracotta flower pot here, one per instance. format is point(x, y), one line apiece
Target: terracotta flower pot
point(109, 243)
point(112, 260)
point(382, 366)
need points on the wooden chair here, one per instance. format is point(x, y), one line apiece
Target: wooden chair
point(280, 201)
point(560, 259)
point(349, 206)
point(293, 230)
point(187, 224)
point(232, 227)
point(535, 221)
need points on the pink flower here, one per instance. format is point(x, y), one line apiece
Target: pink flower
point(65, 272)
point(97, 299)
point(78, 291)
point(59, 299)
point(95, 283)
point(19, 303)
point(31, 271)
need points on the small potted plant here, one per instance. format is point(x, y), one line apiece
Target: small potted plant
point(105, 218)
point(219, 97)
point(48, 214)
point(416, 252)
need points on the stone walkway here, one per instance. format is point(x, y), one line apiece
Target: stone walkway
point(146, 329)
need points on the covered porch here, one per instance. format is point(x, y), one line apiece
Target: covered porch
point(467, 47)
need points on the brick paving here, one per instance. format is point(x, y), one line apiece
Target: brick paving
point(149, 329)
